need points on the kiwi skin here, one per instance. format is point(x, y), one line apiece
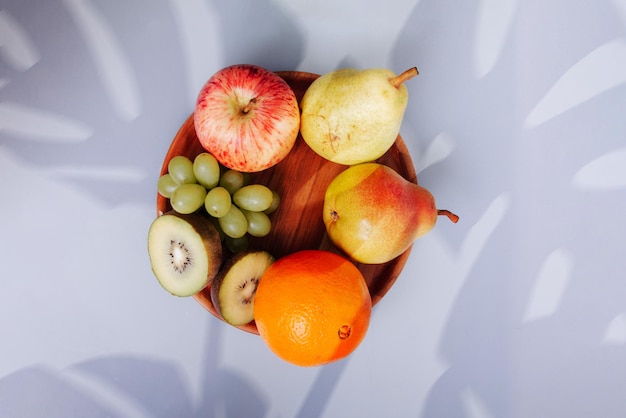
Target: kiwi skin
point(223, 274)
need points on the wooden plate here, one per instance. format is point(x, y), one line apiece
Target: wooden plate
point(301, 180)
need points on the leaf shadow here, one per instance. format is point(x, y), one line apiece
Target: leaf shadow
point(145, 43)
point(119, 385)
point(486, 348)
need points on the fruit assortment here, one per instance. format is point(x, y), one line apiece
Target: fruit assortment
point(244, 123)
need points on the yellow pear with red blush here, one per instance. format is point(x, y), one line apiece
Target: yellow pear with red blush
point(373, 214)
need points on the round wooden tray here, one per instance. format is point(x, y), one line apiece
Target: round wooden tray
point(301, 180)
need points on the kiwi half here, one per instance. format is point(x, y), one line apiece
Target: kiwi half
point(234, 287)
point(185, 252)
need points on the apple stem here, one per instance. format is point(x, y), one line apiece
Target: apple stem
point(442, 212)
point(249, 106)
point(401, 78)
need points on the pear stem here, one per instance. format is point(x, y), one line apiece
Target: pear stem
point(402, 77)
point(443, 212)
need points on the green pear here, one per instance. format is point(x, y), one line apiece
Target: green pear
point(353, 116)
point(373, 214)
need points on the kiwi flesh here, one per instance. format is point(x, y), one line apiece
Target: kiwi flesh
point(234, 287)
point(185, 252)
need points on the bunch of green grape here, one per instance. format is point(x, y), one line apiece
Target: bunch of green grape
point(239, 209)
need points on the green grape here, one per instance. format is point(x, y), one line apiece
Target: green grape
point(232, 180)
point(236, 245)
point(181, 170)
point(254, 197)
point(217, 202)
point(166, 185)
point(259, 224)
point(206, 169)
point(188, 198)
point(275, 203)
point(234, 223)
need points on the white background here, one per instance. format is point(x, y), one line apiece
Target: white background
point(516, 123)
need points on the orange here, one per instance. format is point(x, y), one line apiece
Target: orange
point(312, 307)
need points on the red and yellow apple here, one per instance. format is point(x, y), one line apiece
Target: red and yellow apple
point(247, 117)
point(373, 214)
